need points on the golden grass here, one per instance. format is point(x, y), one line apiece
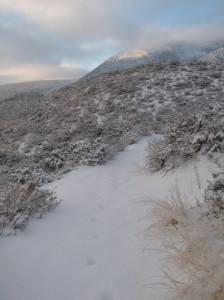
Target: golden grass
point(168, 212)
point(194, 257)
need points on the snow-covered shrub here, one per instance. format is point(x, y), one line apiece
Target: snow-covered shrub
point(155, 155)
point(53, 162)
point(21, 202)
point(214, 198)
point(3, 157)
point(91, 152)
point(189, 133)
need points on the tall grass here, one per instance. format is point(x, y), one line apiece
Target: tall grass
point(168, 212)
point(194, 255)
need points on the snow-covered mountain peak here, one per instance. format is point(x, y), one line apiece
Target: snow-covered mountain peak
point(139, 53)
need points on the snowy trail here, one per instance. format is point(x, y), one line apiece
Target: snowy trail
point(89, 248)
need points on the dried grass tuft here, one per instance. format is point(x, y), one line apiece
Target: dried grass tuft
point(198, 265)
point(169, 212)
point(194, 256)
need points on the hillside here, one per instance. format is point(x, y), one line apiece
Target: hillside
point(88, 121)
point(85, 123)
point(214, 56)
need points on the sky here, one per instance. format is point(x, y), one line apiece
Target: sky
point(64, 39)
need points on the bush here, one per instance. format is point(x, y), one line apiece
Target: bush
point(214, 198)
point(21, 202)
point(190, 133)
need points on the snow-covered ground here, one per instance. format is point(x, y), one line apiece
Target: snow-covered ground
point(91, 247)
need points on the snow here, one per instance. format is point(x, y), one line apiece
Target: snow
point(23, 144)
point(21, 147)
point(91, 247)
point(98, 119)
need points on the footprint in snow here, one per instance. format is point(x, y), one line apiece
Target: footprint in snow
point(106, 296)
point(90, 261)
point(95, 237)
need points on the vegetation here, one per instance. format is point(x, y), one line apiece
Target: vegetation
point(91, 120)
point(20, 203)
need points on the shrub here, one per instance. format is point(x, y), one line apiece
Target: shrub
point(21, 202)
point(214, 198)
point(188, 134)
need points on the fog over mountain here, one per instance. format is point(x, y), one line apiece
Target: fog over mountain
point(181, 51)
point(212, 52)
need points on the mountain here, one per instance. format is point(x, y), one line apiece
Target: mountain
point(31, 88)
point(214, 56)
point(174, 52)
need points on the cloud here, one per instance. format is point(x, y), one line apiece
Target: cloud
point(153, 37)
point(7, 79)
point(22, 40)
point(29, 52)
point(71, 17)
point(23, 72)
point(97, 19)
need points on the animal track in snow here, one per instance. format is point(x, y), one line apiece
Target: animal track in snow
point(95, 236)
point(106, 296)
point(90, 261)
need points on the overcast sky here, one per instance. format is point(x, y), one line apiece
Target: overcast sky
point(56, 39)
